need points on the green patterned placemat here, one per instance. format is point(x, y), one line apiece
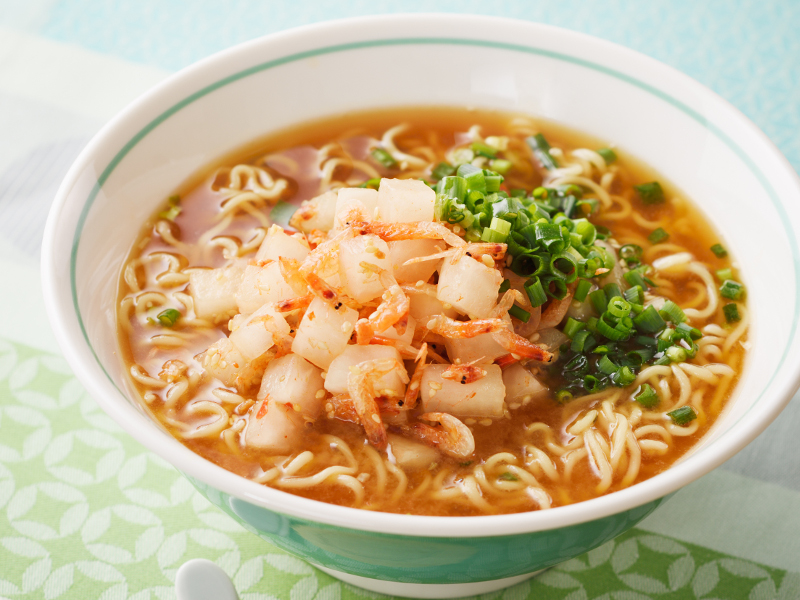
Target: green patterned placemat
point(88, 513)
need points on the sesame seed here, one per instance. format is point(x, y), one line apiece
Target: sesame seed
point(469, 421)
point(513, 406)
point(320, 394)
point(223, 364)
point(324, 374)
point(457, 361)
point(435, 385)
point(414, 385)
point(432, 394)
point(371, 249)
point(509, 260)
point(487, 260)
point(376, 418)
point(447, 306)
point(329, 407)
point(485, 422)
point(527, 399)
point(515, 356)
point(419, 284)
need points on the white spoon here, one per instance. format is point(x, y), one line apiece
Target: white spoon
point(201, 579)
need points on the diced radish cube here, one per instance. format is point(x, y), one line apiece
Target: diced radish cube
point(522, 387)
point(278, 244)
point(253, 335)
point(469, 286)
point(365, 200)
point(292, 379)
point(482, 398)
point(405, 250)
point(214, 290)
point(364, 283)
point(317, 213)
point(339, 370)
point(324, 332)
point(412, 455)
point(405, 201)
point(260, 286)
point(274, 427)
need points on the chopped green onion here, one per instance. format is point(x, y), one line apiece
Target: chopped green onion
point(612, 291)
point(463, 155)
point(592, 384)
point(646, 396)
point(631, 253)
point(282, 212)
point(682, 416)
point(481, 149)
point(650, 193)
point(168, 317)
point(563, 396)
point(493, 180)
point(582, 289)
point(634, 295)
point(174, 209)
point(692, 332)
point(731, 312)
point(565, 266)
point(541, 149)
point(555, 287)
point(732, 289)
point(649, 321)
point(606, 365)
point(640, 356)
point(500, 225)
point(493, 236)
point(371, 183)
point(572, 327)
point(599, 301)
point(672, 312)
point(519, 313)
point(658, 236)
point(618, 307)
point(476, 180)
point(508, 476)
point(536, 292)
point(624, 376)
point(609, 156)
point(500, 165)
point(383, 157)
point(505, 286)
point(719, 250)
point(676, 353)
point(580, 341)
point(442, 170)
point(724, 274)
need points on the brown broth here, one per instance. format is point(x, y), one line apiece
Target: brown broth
point(439, 129)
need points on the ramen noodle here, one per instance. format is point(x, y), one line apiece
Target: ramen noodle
point(428, 311)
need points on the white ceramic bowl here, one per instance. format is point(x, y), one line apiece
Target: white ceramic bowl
point(687, 133)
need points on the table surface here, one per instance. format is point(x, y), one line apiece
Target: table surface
point(88, 513)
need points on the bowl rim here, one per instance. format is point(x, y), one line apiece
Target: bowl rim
point(63, 312)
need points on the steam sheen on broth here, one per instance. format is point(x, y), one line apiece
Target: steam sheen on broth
point(570, 422)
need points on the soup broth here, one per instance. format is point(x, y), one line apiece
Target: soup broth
point(572, 439)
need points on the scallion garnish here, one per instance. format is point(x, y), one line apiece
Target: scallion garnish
point(505, 286)
point(481, 149)
point(582, 290)
point(658, 236)
point(646, 396)
point(442, 170)
point(650, 193)
point(500, 165)
point(383, 157)
point(672, 312)
point(623, 377)
point(631, 254)
point(732, 290)
point(572, 327)
point(536, 292)
point(581, 341)
point(682, 416)
point(724, 274)
point(731, 312)
point(719, 250)
point(609, 156)
point(519, 313)
point(541, 149)
point(168, 317)
point(563, 396)
point(649, 321)
point(282, 213)
point(606, 365)
point(372, 184)
point(174, 208)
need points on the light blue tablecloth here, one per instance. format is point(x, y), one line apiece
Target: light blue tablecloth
point(66, 66)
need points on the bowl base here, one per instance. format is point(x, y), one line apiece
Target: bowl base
point(427, 590)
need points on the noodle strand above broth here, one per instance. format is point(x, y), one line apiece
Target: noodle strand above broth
point(428, 311)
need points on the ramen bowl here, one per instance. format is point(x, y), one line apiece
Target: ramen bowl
point(695, 139)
